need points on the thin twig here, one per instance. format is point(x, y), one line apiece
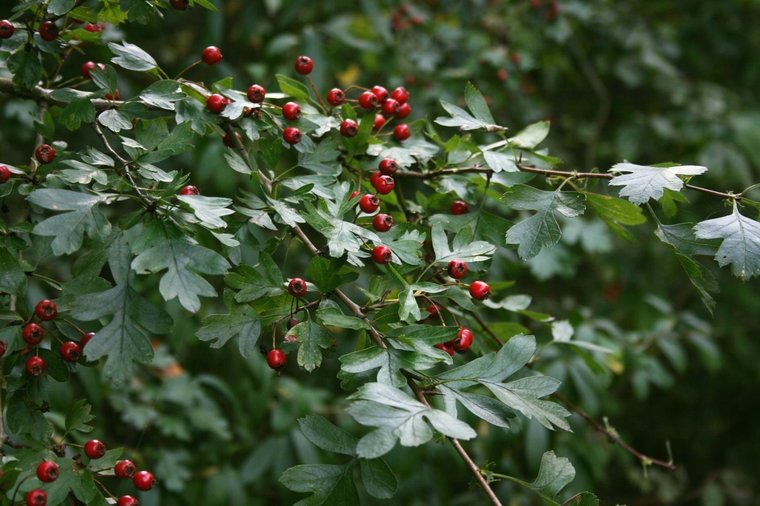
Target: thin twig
point(123, 161)
point(46, 94)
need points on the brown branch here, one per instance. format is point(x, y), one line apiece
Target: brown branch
point(612, 436)
point(46, 94)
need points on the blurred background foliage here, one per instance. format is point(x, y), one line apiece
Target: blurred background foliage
point(647, 82)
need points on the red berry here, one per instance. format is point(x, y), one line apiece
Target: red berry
point(71, 351)
point(400, 95)
point(480, 290)
point(388, 166)
point(336, 96)
point(292, 322)
point(502, 74)
point(515, 58)
point(36, 497)
point(369, 203)
point(3, 348)
point(380, 92)
point(32, 334)
point(124, 469)
point(382, 254)
point(373, 177)
point(354, 194)
point(382, 222)
point(433, 309)
point(304, 65)
point(94, 449)
point(5, 174)
point(143, 480)
point(46, 310)
point(378, 122)
point(47, 471)
point(291, 111)
point(189, 190)
point(368, 100)
point(457, 269)
point(87, 67)
point(127, 500)
point(459, 207)
point(463, 340)
point(115, 96)
point(390, 107)
point(179, 5)
point(292, 135)
point(86, 338)
point(403, 111)
point(297, 287)
point(401, 132)
point(216, 103)
point(44, 153)
point(349, 128)
point(276, 358)
point(35, 366)
point(256, 93)
point(230, 141)
point(211, 55)
point(384, 185)
point(6, 29)
point(445, 347)
point(48, 30)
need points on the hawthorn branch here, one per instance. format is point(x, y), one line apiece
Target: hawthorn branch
point(614, 437)
point(46, 95)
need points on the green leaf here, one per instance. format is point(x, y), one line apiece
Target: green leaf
point(293, 88)
point(323, 160)
point(616, 212)
point(378, 478)
point(469, 251)
point(463, 120)
point(115, 121)
point(741, 242)
point(682, 237)
point(236, 162)
point(184, 262)
point(77, 112)
point(484, 407)
point(243, 324)
point(68, 228)
point(542, 229)
point(641, 183)
point(12, 277)
point(702, 279)
point(312, 338)
point(531, 136)
point(327, 436)
point(162, 94)
point(60, 7)
point(329, 484)
point(328, 274)
point(523, 395)
point(334, 317)
point(554, 474)
point(429, 334)
point(408, 309)
point(254, 283)
point(78, 417)
point(389, 362)
point(131, 57)
point(500, 161)
point(26, 68)
point(209, 210)
point(477, 104)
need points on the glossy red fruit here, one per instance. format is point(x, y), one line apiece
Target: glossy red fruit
point(46, 310)
point(94, 449)
point(459, 207)
point(124, 469)
point(49, 30)
point(6, 29)
point(115, 96)
point(378, 122)
point(390, 107)
point(336, 97)
point(276, 359)
point(44, 153)
point(47, 471)
point(388, 166)
point(143, 480)
point(368, 100)
point(354, 194)
point(189, 190)
point(382, 254)
point(374, 176)
point(369, 203)
point(380, 92)
point(94, 27)
point(32, 334)
point(292, 135)
point(463, 340)
point(291, 111)
point(71, 351)
point(384, 185)
point(35, 366)
point(212, 55)
point(36, 497)
point(127, 500)
point(5, 174)
point(349, 128)
point(401, 132)
point(382, 222)
point(480, 290)
point(216, 103)
point(256, 93)
point(231, 141)
point(403, 111)
point(89, 66)
point(400, 95)
point(297, 287)
point(179, 5)
point(445, 347)
point(304, 65)
point(3, 348)
point(86, 339)
point(457, 269)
